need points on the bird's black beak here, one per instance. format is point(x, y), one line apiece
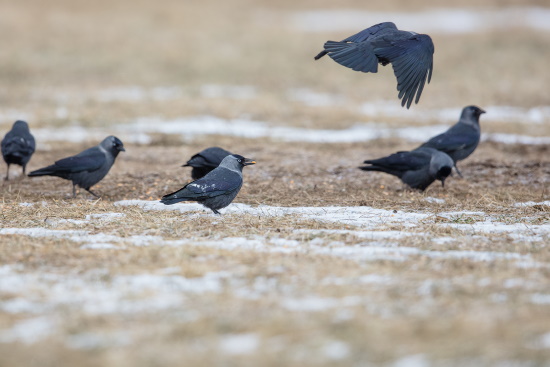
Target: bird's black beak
point(248, 162)
point(482, 111)
point(121, 148)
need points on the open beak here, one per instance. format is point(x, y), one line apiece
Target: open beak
point(248, 162)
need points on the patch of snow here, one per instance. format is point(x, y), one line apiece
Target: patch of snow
point(516, 139)
point(443, 20)
point(541, 298)
point(336, 350)
point(239, 344)
point(532, 203)
point(139, 94)
point(90, 341)
point(415, 360)
point(105, 216)
point(26, 204)
point(29, 331)
point(542, 342)
point(99, 246)
point(318, 304)
point(430, 199)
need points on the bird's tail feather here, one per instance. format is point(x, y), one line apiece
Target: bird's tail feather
point(43, 171)
point(173, 198)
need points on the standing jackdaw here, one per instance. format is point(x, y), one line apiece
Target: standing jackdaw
point(18, 146)
point(410, 53)
point(462, 138)
point(417, 168)
point(205, 161)
point(86, 168)
point(217, 189)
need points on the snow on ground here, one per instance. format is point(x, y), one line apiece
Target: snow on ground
point(191, 127)
point(453, 21)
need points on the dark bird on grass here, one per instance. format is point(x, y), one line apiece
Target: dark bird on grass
point(205, 161)
point(86, 168)
point(215, 190)
point(410, 53)
point(462, 138)
point(417, 168)
point(18, 146)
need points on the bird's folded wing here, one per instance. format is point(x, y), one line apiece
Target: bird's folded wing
point(365, 34)
point(213, 185)
point(412, 61)
point(450, 143)
point(80, 163)
point(403, 161)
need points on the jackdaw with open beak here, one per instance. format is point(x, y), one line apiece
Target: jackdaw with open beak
point(205, 161)
point(417, 168)
point(86, 168)
point(18, 146)
point(410, 53)
point(462, 138)
point(215, 190)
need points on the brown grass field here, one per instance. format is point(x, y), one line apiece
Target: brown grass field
point(454, 276)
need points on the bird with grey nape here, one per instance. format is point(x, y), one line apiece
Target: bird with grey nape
point(205, 161)
point(86, 168)
point(410, 53)
point(215, 190)
point(417, 168)
point(462, 138)
point(18, 146)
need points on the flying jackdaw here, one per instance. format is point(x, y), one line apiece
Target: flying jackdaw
point(18, 146)
point(86, 168)
point(410, 53)
point(417, 168)
point(205, 161)
point(462, 138)
point(215, 190)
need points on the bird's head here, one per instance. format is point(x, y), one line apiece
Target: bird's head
point(236, 162)
point(470, 114)
point(20, 125)
point(441, 166)
point(113, 145)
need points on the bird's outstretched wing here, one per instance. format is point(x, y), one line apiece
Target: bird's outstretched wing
point(356, 56)
point(412, 61)
point(362, 36)
point(365, 34)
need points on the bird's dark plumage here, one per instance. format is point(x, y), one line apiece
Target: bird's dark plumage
point(18, 146)
point(217, 189)
point(462, 138)
point(205, 161)
point(417, 168)
point(86, 168)
point(410, 54)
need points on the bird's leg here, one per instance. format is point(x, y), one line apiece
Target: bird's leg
point(93, 193)
point(7, 173)
point(74, 191)
point(458, 171)
point(216, 212)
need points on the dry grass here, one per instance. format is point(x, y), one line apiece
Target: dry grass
point(169, 291)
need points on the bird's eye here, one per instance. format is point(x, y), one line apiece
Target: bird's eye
point(240, 161)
